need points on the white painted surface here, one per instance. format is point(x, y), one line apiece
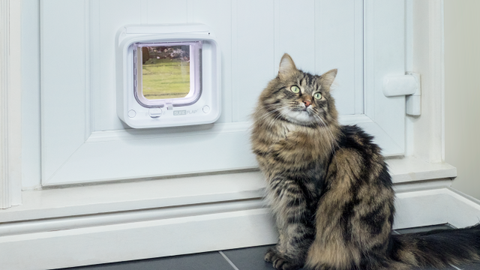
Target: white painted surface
point(30, 78)
point(127, 154)
point(136, 195)
point(425, 134)
point(439, 206)
point(414, 169)
point(462, 125)
point(68, 152)
point(10, 104)
point(61, 116)
point(385, 56)
point(173, 235)
point(121, 197)
point(137, 240)
point(75, 222)
point(5, 182)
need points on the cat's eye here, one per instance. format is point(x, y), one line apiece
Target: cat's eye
point(295, 89)
point(317, 96)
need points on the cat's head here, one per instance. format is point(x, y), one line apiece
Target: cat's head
point(299, 97)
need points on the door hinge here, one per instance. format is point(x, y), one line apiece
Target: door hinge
point(408, 85)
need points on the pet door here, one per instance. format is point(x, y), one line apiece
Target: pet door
point(167, 76)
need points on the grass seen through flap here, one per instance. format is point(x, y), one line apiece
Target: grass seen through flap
point(166, 78)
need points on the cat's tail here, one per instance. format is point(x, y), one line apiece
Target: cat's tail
point(438, 248)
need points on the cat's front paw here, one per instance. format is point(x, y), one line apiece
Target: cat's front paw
point(279, 262)
point(271, 253)
point(282, 264)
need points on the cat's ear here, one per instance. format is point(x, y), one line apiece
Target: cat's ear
point(287, 67)
point(328, 77)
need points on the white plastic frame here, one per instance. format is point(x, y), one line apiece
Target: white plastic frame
point(204, 109)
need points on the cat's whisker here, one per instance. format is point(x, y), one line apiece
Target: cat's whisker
point(274, 116)
point(270, 111)
point(270, 121)
point(265, 120)
point(267, 114)
point(274, 120)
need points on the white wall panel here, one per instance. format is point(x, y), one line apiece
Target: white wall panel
point(165, 11)
point(253, 54)
point(339, 44)
point(218, 15)
point(384, 56)
point(249, 37)
point(307, 31)
point(64, 63)
point(115, 155)
point(31, 171)
point(295, 32)
point(107, 17)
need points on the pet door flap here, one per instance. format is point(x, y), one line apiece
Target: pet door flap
point(167, 76)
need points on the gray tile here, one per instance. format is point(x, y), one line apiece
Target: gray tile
point(249, 258)
point(425, 229)
point(202, 261)
point(252, 259)
point(429, 268)
point(472, 266)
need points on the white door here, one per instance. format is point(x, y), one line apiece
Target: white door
point(83, 140)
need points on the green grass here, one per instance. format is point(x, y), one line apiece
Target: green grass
point(164, 78)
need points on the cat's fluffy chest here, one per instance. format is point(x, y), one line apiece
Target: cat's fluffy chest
point(292, 146)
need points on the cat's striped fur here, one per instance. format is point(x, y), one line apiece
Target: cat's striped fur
point(329, 187)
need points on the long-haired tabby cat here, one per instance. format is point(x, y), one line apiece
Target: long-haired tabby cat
point(329, 187)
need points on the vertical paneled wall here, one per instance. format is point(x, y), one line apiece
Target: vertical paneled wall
point(253, 35)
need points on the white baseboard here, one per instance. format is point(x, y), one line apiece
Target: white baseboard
point(167, 235)
point(407, 173)
point(136, 240)
point(435, 206)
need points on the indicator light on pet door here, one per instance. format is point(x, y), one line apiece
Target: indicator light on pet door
point(167, 75)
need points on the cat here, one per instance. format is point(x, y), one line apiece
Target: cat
point(329, 187)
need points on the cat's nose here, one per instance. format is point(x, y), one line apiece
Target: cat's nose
point(307, 102)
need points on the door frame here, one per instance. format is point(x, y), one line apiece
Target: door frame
point(10, 104)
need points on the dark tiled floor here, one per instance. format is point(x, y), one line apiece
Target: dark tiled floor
point(237, 259)
point(202, 261)
point(249, 258)
point(425, 229)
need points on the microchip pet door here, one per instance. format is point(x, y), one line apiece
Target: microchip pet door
point(167, 75)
